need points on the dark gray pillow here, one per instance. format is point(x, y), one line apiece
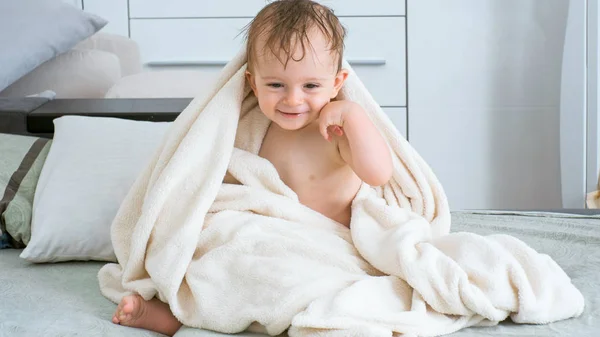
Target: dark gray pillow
point(35, 31)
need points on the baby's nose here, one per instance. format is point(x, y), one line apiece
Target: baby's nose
point(294, 98)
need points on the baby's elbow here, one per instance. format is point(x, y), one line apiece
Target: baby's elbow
point(386, 171)
point(381, 177)
point(386, 176)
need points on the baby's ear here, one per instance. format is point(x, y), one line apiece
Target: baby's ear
point(251, 81)
point(339, 81)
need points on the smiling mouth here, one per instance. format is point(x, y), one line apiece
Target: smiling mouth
point(290, 114)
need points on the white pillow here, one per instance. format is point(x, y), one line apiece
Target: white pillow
point(164, 83)
point(78, 73)
point(90, 167)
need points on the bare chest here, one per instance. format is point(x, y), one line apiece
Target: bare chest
point(311, 167)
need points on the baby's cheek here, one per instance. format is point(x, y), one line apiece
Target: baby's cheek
point(266, 102)
point(264, 106)
point(319, 103)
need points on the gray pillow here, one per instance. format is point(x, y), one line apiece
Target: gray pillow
point(35, 31)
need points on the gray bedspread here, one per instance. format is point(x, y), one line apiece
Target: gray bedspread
point(64, 299)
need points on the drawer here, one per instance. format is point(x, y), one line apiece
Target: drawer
point(76, 3)
point(249, 8)
point(375, 47)
point(399, 118)
point(376, 50)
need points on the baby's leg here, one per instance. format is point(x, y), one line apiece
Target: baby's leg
point(152, 315)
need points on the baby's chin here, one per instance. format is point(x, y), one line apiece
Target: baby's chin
point(292, 127)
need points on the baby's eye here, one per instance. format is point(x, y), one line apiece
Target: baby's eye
point(275, 85)
point(311, 86)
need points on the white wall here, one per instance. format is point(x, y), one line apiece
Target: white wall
point(484, 98)
point(577, 81)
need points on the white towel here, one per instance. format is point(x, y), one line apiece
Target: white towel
point(245, 253)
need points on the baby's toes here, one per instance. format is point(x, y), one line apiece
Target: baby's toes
point(119, 315)
point(115, 318)
point(123, 317)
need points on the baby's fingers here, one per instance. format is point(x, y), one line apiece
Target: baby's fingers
point(323, 128)
point(337, 130)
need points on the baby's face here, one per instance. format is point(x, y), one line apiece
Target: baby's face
point(293, 96)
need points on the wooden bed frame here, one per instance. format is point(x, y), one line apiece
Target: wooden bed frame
point(34, 115)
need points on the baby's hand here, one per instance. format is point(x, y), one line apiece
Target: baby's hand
point(332, 118)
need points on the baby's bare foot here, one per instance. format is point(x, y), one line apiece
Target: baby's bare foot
point(129, 311)
point(154, 315)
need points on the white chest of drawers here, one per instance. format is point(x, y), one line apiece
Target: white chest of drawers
point(207, 34)
point(212, 42)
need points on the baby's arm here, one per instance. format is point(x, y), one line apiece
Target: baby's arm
point(361, 145)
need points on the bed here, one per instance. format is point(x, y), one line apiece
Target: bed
point(63, 299)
